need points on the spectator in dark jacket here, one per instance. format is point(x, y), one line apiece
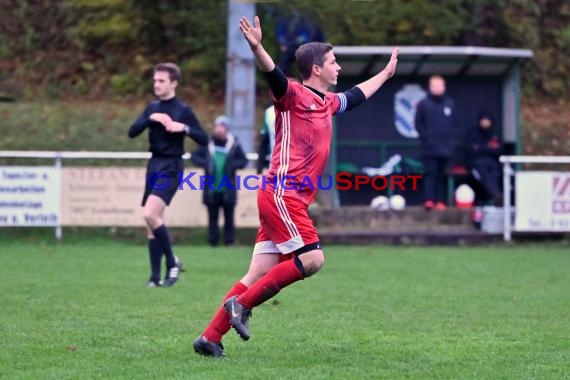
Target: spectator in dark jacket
point(220, 159)
point(293, 31)
point(437, 127)
point(487, 148)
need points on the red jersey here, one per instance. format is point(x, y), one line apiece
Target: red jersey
point(303, 131)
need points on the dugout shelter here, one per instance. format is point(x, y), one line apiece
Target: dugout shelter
point(477, 78)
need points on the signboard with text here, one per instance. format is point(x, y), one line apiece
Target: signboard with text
point(542, 201)
point(106, 196)
point(112, 196)
point(30, 196)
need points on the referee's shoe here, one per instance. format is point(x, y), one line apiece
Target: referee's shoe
point(179, 263)
point(173, 273)
point(153, 283)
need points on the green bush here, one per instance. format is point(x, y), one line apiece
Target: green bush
point(70, 48)
point(124, 84)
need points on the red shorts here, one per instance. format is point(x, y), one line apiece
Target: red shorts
point(285, 225)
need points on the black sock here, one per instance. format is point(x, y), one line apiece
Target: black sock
point(155, 256)
point(161, 236)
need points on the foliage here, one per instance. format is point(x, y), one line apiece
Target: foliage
point(99, 48)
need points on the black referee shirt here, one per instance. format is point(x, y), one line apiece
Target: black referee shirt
point(163, 143)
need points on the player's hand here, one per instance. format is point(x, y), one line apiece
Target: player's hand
point(251, 33)
point(390, 68)
point(174, 127)
point(161, 118)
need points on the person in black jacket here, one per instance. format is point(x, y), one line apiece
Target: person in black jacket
point(220, 159)
point(487, 148)
point(436, 125)
point(169, 121)
point(293, 31)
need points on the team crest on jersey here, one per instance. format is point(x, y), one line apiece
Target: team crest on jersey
point(405, 104)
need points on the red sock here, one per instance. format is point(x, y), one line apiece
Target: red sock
point(220, 323)
point(271, 283)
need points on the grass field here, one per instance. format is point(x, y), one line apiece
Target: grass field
point(81, 310)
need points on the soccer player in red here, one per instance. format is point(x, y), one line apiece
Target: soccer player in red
point(287, 248)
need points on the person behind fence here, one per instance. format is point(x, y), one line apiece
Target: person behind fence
point(436, 124)
point(266, 139)
point(169, 121)
point(486, 149)
point(293, 31)
point(220, 159)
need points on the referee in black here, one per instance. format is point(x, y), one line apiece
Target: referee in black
point(168, 120)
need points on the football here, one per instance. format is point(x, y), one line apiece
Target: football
point(380, 203)
point(397, 202)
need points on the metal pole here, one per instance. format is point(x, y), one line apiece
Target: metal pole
point(507, 171)
point(58, 229)
point(240, 77)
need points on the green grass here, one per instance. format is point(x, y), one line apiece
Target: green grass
point(80, 310)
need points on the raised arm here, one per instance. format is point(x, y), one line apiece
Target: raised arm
point(359, 93)
point(276, 79)
point(252, 34)
point(372, 85)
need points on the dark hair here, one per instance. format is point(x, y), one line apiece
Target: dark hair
point(171, 68)
point(310, 54)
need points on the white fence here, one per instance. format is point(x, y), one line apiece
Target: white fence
point(508, 173)
point(537, 197)
point(59, 156)
point(35, 196)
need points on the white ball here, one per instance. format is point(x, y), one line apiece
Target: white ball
point(464, 196)
point(380, 203)
point(397, 202)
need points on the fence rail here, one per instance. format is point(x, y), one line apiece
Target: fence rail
point(508, 172)
point(59, 156)
point(86, 155)
point(535, 159)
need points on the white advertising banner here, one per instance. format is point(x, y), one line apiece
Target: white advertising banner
point(111, 196)
point(29, 196)
point(102, 196)
point(107, 196)
point(542, 201)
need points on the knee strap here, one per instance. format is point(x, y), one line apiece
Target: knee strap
point(307, 248)
point(299, 266)
point(304, 249)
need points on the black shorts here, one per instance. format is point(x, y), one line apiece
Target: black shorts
point(162, 176)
